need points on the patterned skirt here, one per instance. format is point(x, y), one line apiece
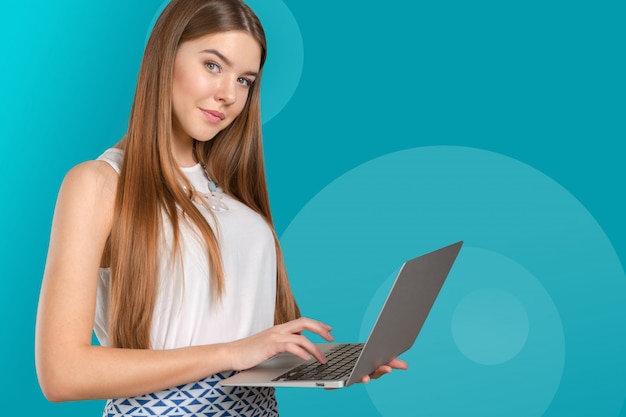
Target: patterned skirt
point(204, 398)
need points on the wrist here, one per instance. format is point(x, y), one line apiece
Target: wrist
point(224, 352)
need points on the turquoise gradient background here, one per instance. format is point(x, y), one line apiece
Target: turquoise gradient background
point(528, 91)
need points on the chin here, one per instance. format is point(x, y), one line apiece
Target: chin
point(205, 137)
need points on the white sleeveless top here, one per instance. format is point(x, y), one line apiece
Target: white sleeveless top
point(186, 313)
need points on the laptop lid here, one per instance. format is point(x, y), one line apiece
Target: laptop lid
point(407, 306)
point(398, 324)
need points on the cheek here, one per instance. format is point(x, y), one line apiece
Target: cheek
point(178, 97)
point(179, 106)
point(186, 87)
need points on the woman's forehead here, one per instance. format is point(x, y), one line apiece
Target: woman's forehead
point(235, 48)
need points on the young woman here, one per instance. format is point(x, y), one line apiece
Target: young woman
point(165, 245)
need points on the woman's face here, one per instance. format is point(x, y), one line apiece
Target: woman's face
point(213, 76)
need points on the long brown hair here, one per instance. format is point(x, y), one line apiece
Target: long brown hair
point(149, 188)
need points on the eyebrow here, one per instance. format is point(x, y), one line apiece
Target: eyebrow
point(227, 61)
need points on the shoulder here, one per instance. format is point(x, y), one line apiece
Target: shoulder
point(85, 206)
point(90, 187)
point(92, 176)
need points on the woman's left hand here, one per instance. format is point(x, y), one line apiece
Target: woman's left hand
point(385, 369)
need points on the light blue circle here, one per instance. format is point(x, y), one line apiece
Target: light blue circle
point(155, 17)
point(548, 252)
point(490, 326)
point(460, 343)
point(283, 68)
point(285, 55)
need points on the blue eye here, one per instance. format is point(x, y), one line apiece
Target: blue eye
point(246, 82)
point(212, 66)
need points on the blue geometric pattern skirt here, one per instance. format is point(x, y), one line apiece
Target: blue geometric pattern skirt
point(204, 398)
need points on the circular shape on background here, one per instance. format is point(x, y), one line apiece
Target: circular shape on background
point(283, 68)
point(478, 342)
point(490, 326)
point(155, 18)
point(285, 55)
point(526, 238)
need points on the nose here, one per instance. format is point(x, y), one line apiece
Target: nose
point(226, 90)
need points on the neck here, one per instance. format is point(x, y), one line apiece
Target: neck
point(183, 152)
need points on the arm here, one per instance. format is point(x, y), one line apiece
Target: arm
point(68, 366)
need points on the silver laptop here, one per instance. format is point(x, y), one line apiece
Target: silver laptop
point(400, 320)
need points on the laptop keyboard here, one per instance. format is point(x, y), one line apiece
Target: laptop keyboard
point(340, 363)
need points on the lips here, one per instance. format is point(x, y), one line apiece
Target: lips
point(213, 116)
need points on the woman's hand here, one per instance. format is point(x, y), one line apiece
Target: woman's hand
point(395, 363)
point(248, 352)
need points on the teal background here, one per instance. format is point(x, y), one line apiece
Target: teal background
point(536, 84)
